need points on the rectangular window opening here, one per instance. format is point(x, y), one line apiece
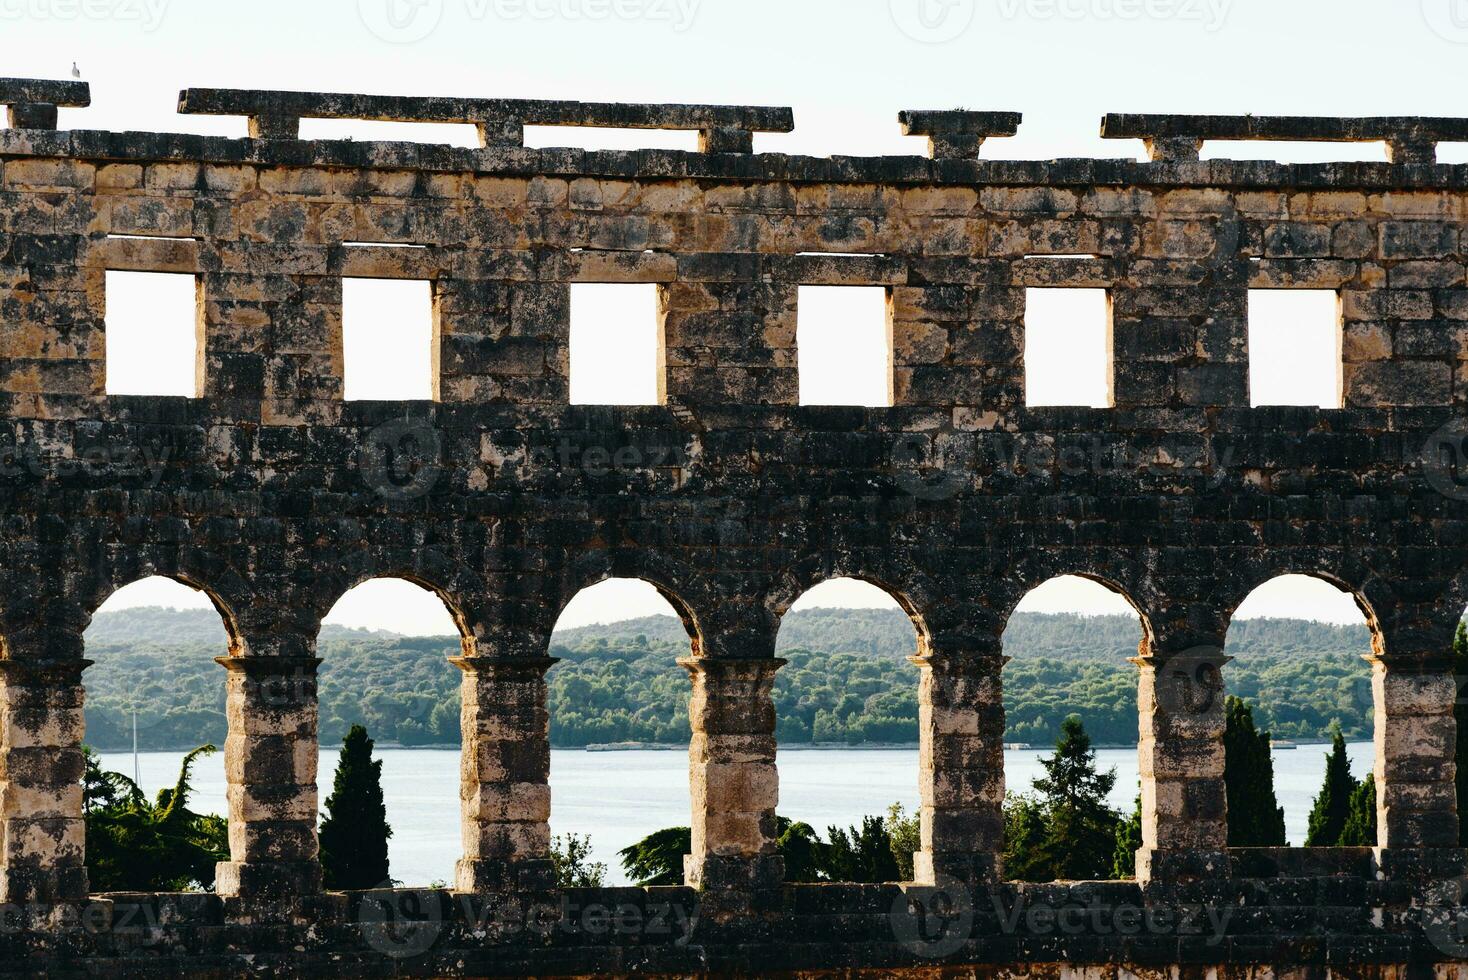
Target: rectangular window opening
point(843, 343)
point(153, 334)
point(388, 339)
point(1295, 347)
point(617, 355)
point(387, 131)
point(1068, 348)
point(1294, 151)
point(610, 138)
point(382, 245)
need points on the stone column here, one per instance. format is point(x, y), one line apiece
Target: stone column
point(961, 768)
point(734, 784)
point(504, 786)
point(1416, 796)
point(270, 774)
point(1180, 702)
point(42, 831)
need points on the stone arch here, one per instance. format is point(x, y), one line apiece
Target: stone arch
point(912, 590)
point(670, 578)
point(1371, 594)
point(1108, 582)
point(462, 592)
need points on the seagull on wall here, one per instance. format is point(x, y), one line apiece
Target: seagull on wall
point(75, 71)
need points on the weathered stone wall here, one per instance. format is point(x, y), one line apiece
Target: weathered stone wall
point(275, 495)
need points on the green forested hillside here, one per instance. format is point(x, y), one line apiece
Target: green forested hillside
point(848, 679)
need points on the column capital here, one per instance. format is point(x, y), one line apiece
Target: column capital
point(746, 668)
point(1420, 664)
point(44, 671)
point(265, 667)
point(975, 665)
point(508, 668)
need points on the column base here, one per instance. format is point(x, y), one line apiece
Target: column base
point(734, 888)
point(260, 892)
point(43, 886)
point(1167, 866)
point(478, 876)
point(1420, 864)
point(971, 869)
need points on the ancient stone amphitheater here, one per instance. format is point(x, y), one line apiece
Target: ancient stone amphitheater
point(275, 495)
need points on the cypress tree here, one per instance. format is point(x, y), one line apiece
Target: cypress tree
point(1128, 841)
point(1255, 819)
point(1460, 714)
point(1333, 805)
point(354, 832)
point(1360, 828)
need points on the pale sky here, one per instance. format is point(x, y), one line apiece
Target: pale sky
point(846, 66)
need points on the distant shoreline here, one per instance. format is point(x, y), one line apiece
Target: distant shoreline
point(1288, 745)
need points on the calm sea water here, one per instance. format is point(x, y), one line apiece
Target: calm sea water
point(617, 798)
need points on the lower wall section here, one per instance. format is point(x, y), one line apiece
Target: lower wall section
point(1241, 928)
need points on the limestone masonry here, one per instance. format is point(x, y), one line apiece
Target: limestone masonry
point(275, 495)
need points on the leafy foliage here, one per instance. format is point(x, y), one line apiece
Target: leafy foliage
point(876, 850)
point(134, 845)
point(571, 857)
point(657, 859)
point(1255, 818)
point(354, 831)
point(847, 681)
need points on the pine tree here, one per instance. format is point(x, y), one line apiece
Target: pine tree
point(1255, 819)
point(1128, 841)
point(1024, 833)
point(1360, 827)
point(354, 832)
point(1080, 828)
point(1460, 713)
point(1333, 805)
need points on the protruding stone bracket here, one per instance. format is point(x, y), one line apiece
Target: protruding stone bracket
point(1410, 140)
point(957, 134)
point(276, 115)
point(43, 672)
point(506, 668)
point(31, 103)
